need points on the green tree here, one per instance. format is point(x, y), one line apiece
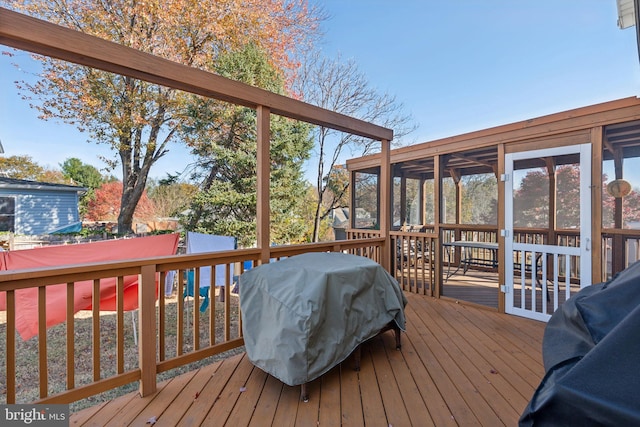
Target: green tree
point(81, 173)
point(24, 167)
point(84, 175)
point(479, 199)
point(21, 167)
point(136, 119)
point(224, 139)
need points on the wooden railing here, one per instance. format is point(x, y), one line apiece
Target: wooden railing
point(479, 233)
point(414, 257)
point(627, 251)
point(163, 343)
point(414, 260)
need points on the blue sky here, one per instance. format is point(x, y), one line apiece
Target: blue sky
point(456, 66)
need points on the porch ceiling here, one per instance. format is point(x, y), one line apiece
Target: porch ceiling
point(470, 162)
point(621, 139)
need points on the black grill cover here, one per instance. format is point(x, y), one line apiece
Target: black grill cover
point(591, 354)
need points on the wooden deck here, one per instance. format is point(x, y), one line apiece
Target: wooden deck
point(478, 287)
point(459, 365)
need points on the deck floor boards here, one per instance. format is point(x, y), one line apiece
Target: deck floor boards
point(459, 365)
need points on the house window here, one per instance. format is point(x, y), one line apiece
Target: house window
point(7, 213)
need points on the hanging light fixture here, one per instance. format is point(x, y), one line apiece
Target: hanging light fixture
point(618, 188)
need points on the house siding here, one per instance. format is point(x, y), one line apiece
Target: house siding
point(42, 213)
point(43, 209)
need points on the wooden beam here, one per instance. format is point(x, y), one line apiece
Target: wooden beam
point(597, 275)
point(34, 35)
point(385, 203)
point(472, 159)
point(147, 329)
point(421, 197)
point(502, 258)
point(552, 223)
point(263, 182)
point(403, 201)
point(436, 289)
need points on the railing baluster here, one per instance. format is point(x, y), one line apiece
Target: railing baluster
point(120, 324)
point(195, 309)
point(11, 347)
point(42, 341)
point(161, 318)
point(95, 329)
point(71, 381)
point(180, 314)
point(227, 307)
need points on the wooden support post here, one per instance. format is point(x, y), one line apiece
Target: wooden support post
point(263, 183)
point(403, 201)
point(436, 289)
point(385, 203)
point(617, 248)
point(502, 258)
point(553, 196)
point(455, 175)
point(597, 275)
point(422, 213)
point(147, 329)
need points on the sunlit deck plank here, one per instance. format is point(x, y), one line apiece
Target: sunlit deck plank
point(307, 414)
point(189, 393)
point(439, 411)
point(352, 413)
point(230, 394)
point(158, 406)
point(411, 399)
point(423, 342)
point(453, 365)
point(373, 409)
point(329, 411)
point(267, 403)
point(287, 407)
point(215, 386)
point(493, 341)
point(470, 363)
point(459, 365)
point(136, 405)
point(83, 417)
point(390, 389)
point(243, 410)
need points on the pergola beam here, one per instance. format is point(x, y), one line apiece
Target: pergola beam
point(41, 37)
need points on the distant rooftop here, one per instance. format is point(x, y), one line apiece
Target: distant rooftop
point(35, 185)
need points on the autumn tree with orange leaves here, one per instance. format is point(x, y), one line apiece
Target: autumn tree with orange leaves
point(106, 202)
point(140, 120)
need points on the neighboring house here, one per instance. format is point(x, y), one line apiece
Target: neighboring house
point(33, 208)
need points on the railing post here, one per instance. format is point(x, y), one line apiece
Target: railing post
point(263, 180)
point(385, 202)
point(147, 329)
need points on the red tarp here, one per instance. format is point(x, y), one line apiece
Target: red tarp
point(50, 256)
